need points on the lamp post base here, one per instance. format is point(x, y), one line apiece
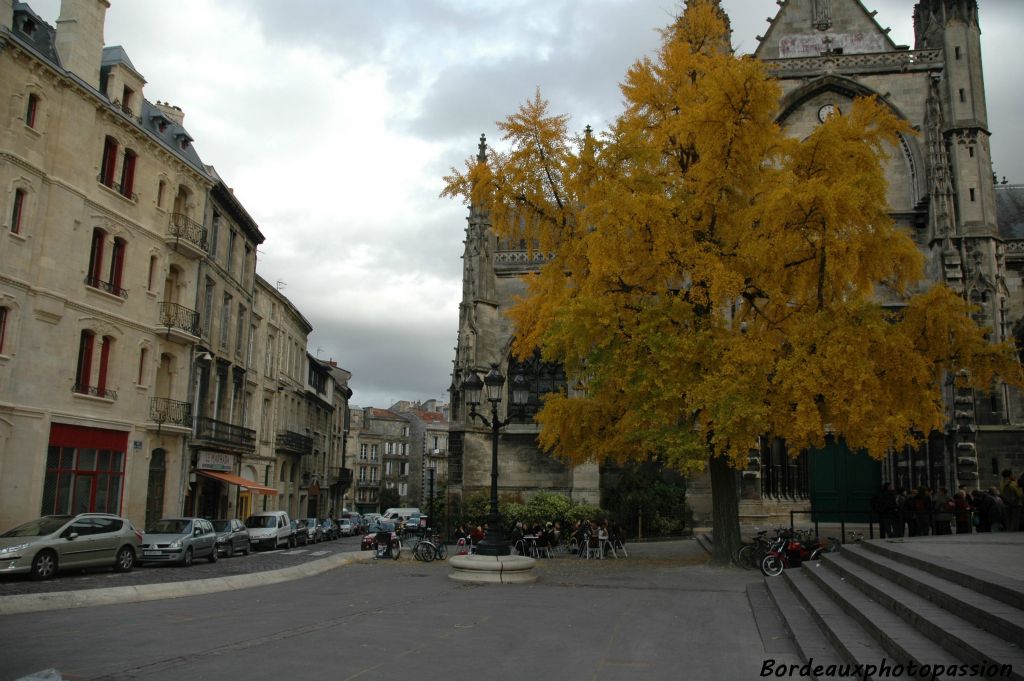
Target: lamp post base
point(492, 569)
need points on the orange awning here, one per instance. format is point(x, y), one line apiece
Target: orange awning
point(232, 479)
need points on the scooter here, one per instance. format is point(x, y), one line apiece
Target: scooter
point(789, 550)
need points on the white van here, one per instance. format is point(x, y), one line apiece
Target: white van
point(403, 514)
point(272, 529)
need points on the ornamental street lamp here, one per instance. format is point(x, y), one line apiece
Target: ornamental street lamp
point(494, 543)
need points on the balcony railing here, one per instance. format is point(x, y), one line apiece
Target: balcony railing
point(224, 433)
point(96, 282)
point(109, 183)
point(175, 316)
point(93, 391)
point(163, 410)
point(183, 227)
point(368, 483)
point(295, 443)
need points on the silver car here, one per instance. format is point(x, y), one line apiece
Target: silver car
point(43, 546)
point(179, 540)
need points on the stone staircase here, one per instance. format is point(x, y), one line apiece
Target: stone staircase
point(880, 604)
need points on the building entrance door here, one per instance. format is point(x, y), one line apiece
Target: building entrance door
point(842, 480)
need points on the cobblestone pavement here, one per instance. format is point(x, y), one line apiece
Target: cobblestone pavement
point(98, 578)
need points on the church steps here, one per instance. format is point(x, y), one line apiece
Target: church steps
point(879, 634)
point(972, 577)
point(969, 643)
point(996, 616)
point(809, 639)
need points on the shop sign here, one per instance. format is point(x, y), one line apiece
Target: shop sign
point(215, 461)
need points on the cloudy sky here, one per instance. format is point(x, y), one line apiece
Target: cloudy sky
point(334, 121)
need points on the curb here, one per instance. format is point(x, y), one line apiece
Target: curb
point(60, 600)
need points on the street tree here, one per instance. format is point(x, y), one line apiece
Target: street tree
point(711, 280)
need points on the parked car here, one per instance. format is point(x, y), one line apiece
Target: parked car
point(271, 529)
point(369, 540)
point(330, 529)
point(358, 523)
point(415, 523)
point(179, 540)
point(299, 533)
point(232, 536)
point(345, 527)
point(43, 546)
point(314, 530)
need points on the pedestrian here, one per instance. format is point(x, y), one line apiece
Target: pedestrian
point(1010, 493)
point(886, 508)
point(942, 508)
point(962, 512)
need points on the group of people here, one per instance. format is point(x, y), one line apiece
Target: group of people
point(922, 511)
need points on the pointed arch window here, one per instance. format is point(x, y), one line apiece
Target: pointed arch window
point(541, 378)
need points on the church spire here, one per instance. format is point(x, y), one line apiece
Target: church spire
point(481, 155)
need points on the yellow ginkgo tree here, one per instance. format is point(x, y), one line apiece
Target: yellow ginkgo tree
point(713, 280)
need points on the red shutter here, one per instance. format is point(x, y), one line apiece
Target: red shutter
point(117, 265)
point(109, 162)
point(84, 361)
point(101, 382)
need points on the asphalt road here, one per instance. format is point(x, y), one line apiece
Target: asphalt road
point(159, 573)
point(661, 614)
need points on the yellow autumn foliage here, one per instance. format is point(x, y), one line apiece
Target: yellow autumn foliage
point(714, 280)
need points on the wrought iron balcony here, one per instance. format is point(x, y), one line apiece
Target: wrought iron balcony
point(178, 317)
point(96, 282)
point(183, 229)
point(105, 393)
point(368, 483)
point(294, 443)
point(225, 433)
point(172, 412)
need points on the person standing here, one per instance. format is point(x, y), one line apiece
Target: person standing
point(1010, 493)
point(886, 507)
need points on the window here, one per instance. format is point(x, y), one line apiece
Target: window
point(214, 234)
point(362, 452)
point(96, 257)
point(161, 191)
point(972, 194)
point(109, 162)
point(956, 51)
point(963, 98)
point(127, 100)
point(17, 211)
point(101, 380)
point(83, 372)
point(388, 470)
point(231, 252)
point(117, 266)
point(208, 308)
point(3, 328)
point(151, 275)
point(128, 173)
point(373, 452)
point(83, 479)
point(246, 265)
point(403, 489)
point(240, 330)
point(970, 151)
point(143, 355)
point(373, 475)
point(225, 320)
point(403, 468)
point(32, 110)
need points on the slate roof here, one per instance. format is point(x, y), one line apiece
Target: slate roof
point(43, 42)
point(1010, 210)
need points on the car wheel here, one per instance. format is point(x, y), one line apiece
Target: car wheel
point(186, 561)
point(125, 560)
point(44, 565)
point(213, 555)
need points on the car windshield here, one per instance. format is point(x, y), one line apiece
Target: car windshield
point(261, 521)
point(221, 525)
point(170, 526)
point(311, 521)
point(383, 527)
point(38, 527)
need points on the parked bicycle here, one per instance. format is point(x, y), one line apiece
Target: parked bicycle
point(429, 549)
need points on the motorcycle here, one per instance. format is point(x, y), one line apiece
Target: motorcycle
point(789, 550)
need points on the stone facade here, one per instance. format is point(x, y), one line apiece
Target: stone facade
point(131, 318)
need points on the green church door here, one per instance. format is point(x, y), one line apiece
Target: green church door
point(842, 480)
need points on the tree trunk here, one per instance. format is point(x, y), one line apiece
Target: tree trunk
point(725, 511)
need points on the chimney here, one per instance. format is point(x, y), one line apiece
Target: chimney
point(173, 113)
point(80, 37)
point(6, 14)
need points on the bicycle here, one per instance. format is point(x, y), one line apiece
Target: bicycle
point(429, 549)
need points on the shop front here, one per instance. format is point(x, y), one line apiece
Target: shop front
point(85, 470)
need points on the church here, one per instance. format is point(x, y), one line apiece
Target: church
point(942, 191)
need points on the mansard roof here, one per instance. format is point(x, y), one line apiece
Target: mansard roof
point(42, 37)
point(807, 28)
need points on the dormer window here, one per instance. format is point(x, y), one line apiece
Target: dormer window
point(29, 27)
point(183, 139)
point(127, 100)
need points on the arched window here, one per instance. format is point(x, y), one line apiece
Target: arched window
point(108, 163)
point(32, 110)
point(161, 193)
point(128, 173)
point(18, 211)
point(143, 356)
point(151, 275)
point(101, 379)
point(83, 372)
point(117, 266)
point(96, 257)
